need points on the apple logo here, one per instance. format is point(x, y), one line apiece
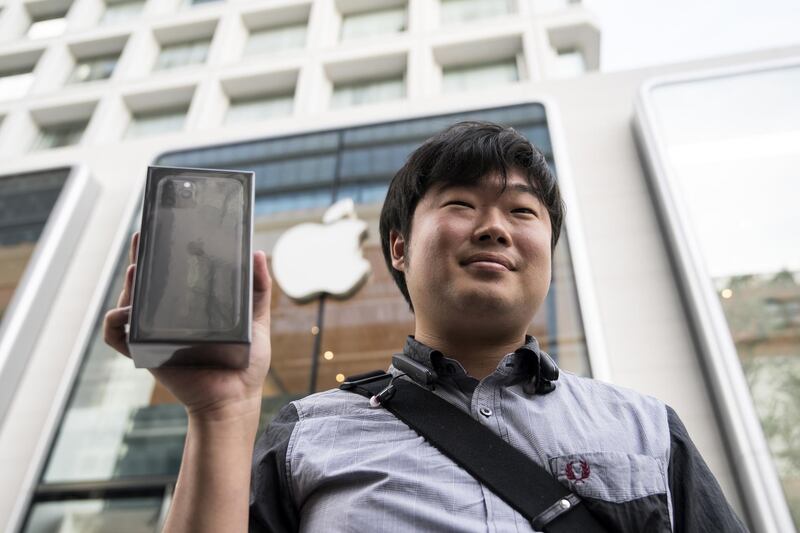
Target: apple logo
point(311, 259)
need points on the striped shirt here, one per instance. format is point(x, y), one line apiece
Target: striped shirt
point(330, 462)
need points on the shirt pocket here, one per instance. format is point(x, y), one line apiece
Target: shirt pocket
point(627, 492)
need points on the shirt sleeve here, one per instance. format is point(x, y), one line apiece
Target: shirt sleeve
point(271, 507)
point(697, 501)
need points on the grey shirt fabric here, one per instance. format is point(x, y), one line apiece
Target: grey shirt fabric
point(330, 462)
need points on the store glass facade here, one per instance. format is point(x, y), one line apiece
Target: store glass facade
point(730, 151)
point(26, 201)
point(119, 445)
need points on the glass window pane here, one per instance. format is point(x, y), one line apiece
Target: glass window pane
point(152, 123)
point(181, 54)
point(381, 22)
point(457, 11)
point(26, 201)
point(542, 6)
point(732, 150)
point(464, 78)
point(270, 40)
point(128, 515)
point(190, 3)
point(367, 92)
point(94, 68)
point(59, 135)
point(253, 109)
point(570, 62)
point(117, 12)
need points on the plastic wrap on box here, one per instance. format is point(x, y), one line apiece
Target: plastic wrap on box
point(192, 295)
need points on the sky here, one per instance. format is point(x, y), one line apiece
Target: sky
point(640, 33)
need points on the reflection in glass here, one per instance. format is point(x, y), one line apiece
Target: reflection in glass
point(369, 23)
point(368, 91)
point(733, 150)
point(26, 201)
point(181, 54)
point(94, 68)
point(120, 11)
point(259, 107)
point(458, 11)
point(155, 122)
point(134, 515)
point(276, 38)
point(466, 77)
point(570, 62)
point(58, 135)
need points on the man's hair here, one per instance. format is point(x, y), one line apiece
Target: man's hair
point(461, 155)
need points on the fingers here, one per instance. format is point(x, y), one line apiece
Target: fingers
point(133, 247)
point(125, 296)
point(115, 320)
point(261, 278)
point(262, 287)
point(114, 329)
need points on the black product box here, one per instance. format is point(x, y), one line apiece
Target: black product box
point(193, 289)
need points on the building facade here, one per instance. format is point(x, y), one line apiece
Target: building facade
point(324, 99)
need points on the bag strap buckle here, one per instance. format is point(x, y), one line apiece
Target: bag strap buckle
point(554, 511)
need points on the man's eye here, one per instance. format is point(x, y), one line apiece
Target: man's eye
point(527, 210)
point(458, 202)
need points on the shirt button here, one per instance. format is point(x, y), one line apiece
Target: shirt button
point(485, 411)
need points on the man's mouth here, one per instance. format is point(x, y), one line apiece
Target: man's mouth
point(489, 261)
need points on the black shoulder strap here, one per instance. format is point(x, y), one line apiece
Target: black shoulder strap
point(513, 476)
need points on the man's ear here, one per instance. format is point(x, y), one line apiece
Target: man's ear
point(397, 246)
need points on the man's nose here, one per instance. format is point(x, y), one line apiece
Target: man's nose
point(492, 227)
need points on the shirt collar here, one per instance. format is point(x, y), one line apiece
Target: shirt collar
point(527, 364)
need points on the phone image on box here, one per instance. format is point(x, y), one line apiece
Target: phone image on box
point(194, 257)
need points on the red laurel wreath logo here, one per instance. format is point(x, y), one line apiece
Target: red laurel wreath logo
point(577, 471)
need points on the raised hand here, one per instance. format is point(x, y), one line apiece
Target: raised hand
point(212, 393)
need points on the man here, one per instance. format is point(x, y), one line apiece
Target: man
point(468, 229)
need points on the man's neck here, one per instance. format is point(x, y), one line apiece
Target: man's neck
point(478, 354)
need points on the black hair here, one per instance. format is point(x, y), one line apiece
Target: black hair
point(463, 154)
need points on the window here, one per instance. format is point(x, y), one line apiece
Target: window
point(59, 135)
point(367, 92)
point(553, 5)
point(154, 122)
point(122, 11)
point(15, 83)
point(463, 78)
point(457, 11)
point(49, 25)
point(26, 201)
point(276, 39)
point(191, 3)
point(255, 108)
point(725, 148)
point(368, 23)
point(138, 514)
point(570, 62)
point(94, 68)
point(181, 54)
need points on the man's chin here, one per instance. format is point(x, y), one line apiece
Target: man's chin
point(484, 305)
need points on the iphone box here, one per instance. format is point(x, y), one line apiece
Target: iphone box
point(193, 289)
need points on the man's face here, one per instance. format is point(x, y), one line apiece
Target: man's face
point(477, 253)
